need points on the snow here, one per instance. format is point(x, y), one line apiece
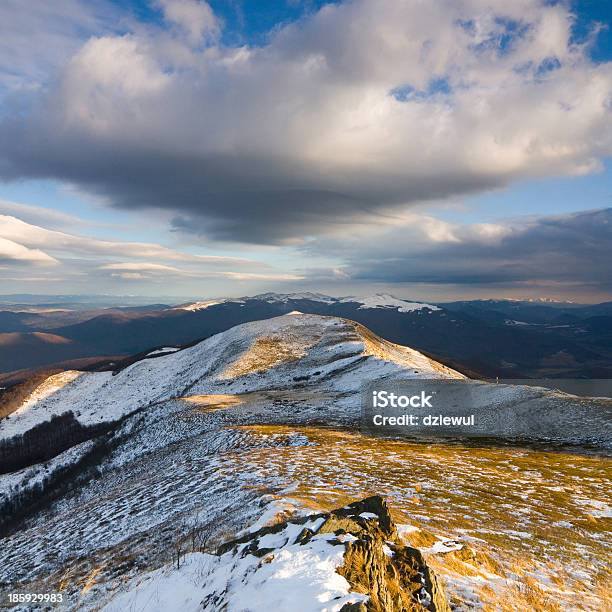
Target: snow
point(563, 524)
point(174, 463)
point(283, 298)
point(292, 577)
point(347, 537)
point(100, 397)
point(369, 515)
point(596, 508)
point(521, 535)
point(403, 530)
point(443, 546)
point(60, 393)
point(384, 300)
point(50, 386)
point(203, 305)
point(379, 300)
point(274, 509)
point(165, 349)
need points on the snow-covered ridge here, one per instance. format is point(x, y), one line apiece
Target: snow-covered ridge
point(385, 300)
point(203, 305)
point(378, 300)
point(295, 577)
point(287, 297)
point(255, 356)
point(164, 349)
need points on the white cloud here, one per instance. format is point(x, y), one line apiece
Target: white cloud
point(142, 270)
point(84, 246)
point(195, 17)
point(38, 215)
point(252, 276)
point(37, 37)
point(90, 264)
point(11, 251)
point(143, 266)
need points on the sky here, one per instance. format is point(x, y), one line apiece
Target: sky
point(434, 150)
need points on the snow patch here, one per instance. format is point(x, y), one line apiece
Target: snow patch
point(404, 530)
point(368, 515)
point(292, 577)
point(203, 305)
point(384, 300)
point(165, 349)
point(283, 298)
point(443, 546)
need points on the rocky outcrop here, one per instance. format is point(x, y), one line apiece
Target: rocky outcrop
point(378, 563)
point(394, 577)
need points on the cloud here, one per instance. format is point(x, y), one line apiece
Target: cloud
point(35, 40)
point(39, 215)
point(195, 17)
point(359, 110)
point(143, 270)
point(254, 276)
point(13, 252)
point(571, 251)
point(90, 263)
point(85, 246)
point(148, 267)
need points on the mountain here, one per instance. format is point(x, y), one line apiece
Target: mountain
point(230, 468)
point(21, 349)
point(491, 339)
point(281, 353)
point(15, 321)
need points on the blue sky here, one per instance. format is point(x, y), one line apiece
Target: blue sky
point(277, 145)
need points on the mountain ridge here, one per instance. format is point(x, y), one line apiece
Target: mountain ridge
point(504, 339)
point(122, 474)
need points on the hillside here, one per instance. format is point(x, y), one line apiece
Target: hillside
point(162, 475)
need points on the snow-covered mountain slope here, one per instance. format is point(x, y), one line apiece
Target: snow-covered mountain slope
point(378, 300)
point(385, 300)
point(208, 442)
point(283, 298)
point(310, 564)
point(204, 304)
point(329, 353)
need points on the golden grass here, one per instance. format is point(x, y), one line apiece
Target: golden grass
point(268, 352)
point(508, 500)
point(526, 594)
point(209, 403)
point(90, 581)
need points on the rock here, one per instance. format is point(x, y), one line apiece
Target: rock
point(377, 563)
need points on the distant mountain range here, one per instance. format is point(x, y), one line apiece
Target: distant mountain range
point(484, 338)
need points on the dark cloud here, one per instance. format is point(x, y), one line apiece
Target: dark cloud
point(271, 144)
point(258, 199)
point(570, 250)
